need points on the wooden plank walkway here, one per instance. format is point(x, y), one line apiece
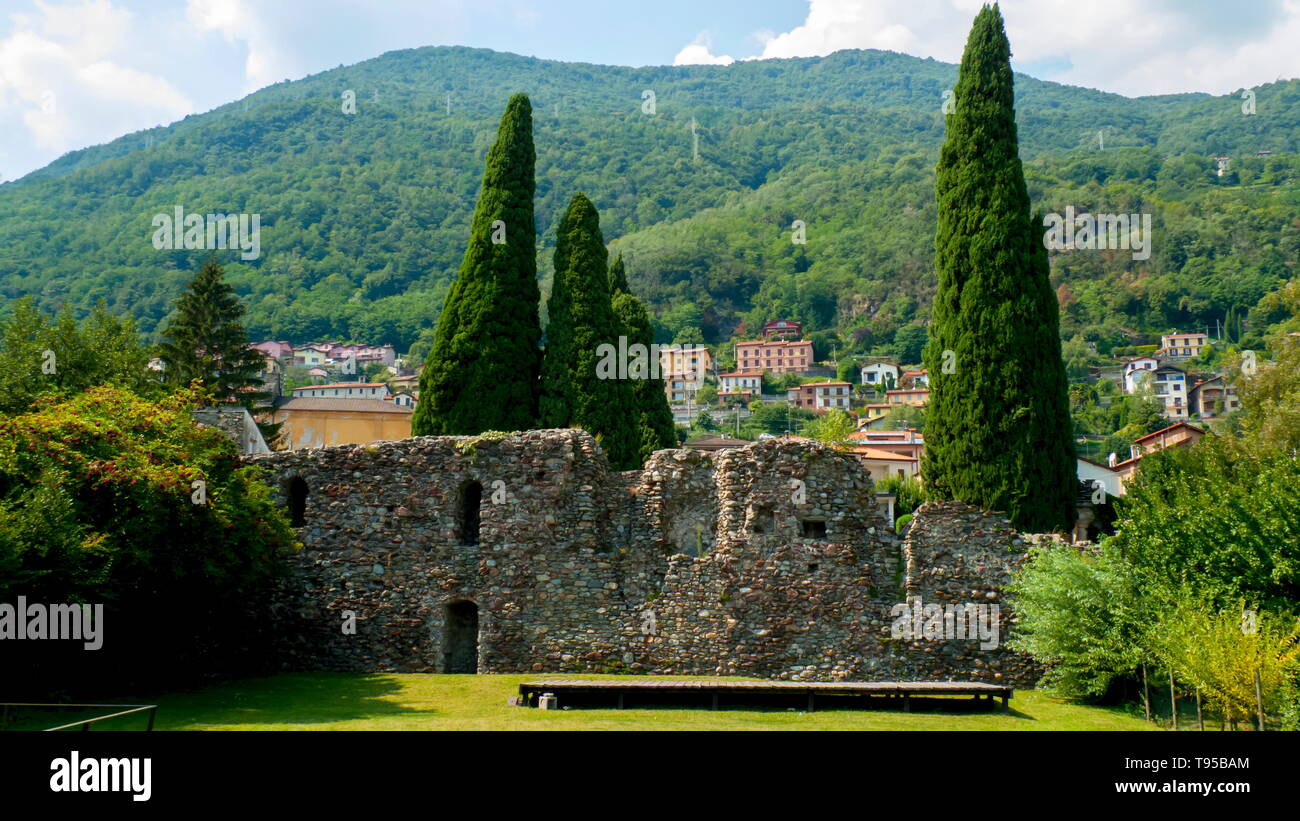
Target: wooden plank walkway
point(645, 690)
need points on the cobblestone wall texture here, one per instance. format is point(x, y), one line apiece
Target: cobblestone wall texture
point(524, 553)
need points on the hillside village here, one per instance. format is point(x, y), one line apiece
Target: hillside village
point(774, 386)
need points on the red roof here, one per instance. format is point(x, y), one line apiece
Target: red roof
point(276, 350)
point(1166, 430)
point(884, 455)
point(342, 385)
point(777, 344)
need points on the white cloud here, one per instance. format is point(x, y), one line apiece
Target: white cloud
point(111, 71)
point(1132, 47)
point(699, 53)
point(61, 86)
point(266, 60)
point(289, 39)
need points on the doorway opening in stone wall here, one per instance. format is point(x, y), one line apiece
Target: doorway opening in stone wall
point(460, 638)
point(297, 493)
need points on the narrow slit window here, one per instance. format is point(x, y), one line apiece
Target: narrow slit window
point(297, 493)
point(471, 500)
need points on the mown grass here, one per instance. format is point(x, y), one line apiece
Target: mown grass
point(342, 701)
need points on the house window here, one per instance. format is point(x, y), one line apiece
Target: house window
point(762, 520)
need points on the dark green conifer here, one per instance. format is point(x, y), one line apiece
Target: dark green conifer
point(206, 341)
point(481, 373)
point(997, 427)
point(655, 428)
point(576, 391)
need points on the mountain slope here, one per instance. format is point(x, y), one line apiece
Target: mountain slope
point(364, 216)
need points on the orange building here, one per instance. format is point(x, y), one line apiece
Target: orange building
point(774, 357)
point(820, 395)
point(314, 422)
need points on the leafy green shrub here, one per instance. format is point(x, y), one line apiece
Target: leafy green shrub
point(1213, 649)
point(1217, 518)
point(1078, 614)
point(99, 504)
point(908, 493)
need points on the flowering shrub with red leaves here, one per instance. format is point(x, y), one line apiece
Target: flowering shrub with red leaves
point(107, 497)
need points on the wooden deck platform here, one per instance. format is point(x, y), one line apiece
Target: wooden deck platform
point(585, 692)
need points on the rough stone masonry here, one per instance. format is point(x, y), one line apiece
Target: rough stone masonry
point(525, 553)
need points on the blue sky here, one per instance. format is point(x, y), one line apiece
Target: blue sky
point(75, 73)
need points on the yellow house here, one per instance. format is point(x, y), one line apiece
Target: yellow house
point(685, 359)
point(308, 356)
point(1183, 346)
point(683, 368)
point(873, 412)
point(314, 422)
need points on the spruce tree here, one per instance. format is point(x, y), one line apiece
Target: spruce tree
point(206, 341)
point(997, 429)
point(574, 392)
point(481, 373)
point(655, 428)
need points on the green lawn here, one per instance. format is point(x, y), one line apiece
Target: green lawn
point(342, 701)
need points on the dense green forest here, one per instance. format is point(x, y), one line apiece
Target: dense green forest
point(365, 215)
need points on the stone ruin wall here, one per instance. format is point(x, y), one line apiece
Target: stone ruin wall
point(770, 560)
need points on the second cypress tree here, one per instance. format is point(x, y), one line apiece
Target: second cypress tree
point(581, 320)
point(998, 426)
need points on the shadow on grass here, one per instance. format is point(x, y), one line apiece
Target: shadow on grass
point(290, 699)
point(31, 719)
point(286, 698)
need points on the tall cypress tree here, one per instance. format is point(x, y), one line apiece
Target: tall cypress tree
point(206, 341)
point(998, 426)
point(481, 373)
point(581, 320)
point(655, 428)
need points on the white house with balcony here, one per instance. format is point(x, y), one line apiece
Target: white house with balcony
point(1137, 369)
point(879, 374)
point(1168, 383)
point(741, 381)
point(1171, 388)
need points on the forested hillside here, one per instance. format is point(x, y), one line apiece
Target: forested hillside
point(1220, 246)
point(365, 216)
